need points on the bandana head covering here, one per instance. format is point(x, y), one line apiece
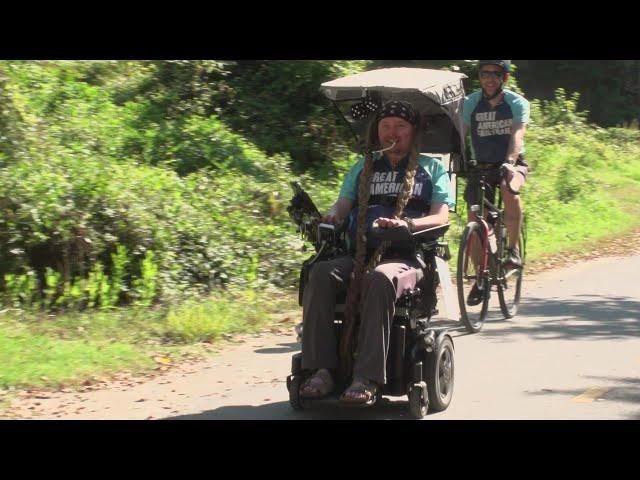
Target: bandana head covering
point(397, 108)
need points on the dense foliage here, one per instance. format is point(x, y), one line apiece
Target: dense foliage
point(141, 182)
point(94, 211)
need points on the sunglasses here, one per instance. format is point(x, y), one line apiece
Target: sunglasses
point(491, 73)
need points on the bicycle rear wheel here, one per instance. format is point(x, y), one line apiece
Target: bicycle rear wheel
point(510, 283)
point(470, 273)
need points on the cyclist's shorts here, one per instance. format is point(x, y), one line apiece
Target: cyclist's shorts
point(492, 176)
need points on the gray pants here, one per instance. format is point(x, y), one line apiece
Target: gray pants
point(380, 290)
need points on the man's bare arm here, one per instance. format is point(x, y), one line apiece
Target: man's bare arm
point(438, 215)
point(515, 143)
point(339, 211)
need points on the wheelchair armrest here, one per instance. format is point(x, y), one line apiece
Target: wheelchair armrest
point(431, 234)
point(402, 235)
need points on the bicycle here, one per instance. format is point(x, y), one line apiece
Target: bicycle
point(486, 265)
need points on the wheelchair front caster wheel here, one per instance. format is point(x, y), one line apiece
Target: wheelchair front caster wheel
point(418, 402)
point(293, 384)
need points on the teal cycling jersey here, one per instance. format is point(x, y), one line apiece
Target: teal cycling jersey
point(431, 185)
point(491, 127)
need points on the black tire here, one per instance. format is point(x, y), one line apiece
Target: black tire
point(294, 392)
point(417, 403)
point(468, 274)
point(510, 286)
point(440, 369)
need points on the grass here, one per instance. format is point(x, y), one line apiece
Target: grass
point(36, 360)
point(46, 351)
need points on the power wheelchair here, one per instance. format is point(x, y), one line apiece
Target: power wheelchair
point(420, 362)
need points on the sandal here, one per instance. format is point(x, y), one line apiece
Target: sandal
point(361, 392)
point(318, 385)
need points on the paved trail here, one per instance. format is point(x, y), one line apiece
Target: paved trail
point(573, 352)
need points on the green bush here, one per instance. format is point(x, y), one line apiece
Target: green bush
point(204, 230)
point(72, 207)
point(134, 182)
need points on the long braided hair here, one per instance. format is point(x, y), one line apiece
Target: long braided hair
point(347, 341)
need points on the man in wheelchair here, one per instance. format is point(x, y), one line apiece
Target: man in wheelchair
point(386, 193)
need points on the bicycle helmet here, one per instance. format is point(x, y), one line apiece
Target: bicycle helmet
point(504, 64)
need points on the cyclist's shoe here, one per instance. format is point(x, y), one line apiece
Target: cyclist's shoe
point(476, 296)
point(513, 259)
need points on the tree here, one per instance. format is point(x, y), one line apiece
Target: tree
point(609, 89)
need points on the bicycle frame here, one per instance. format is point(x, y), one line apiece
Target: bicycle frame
point(498, 227)
point(478, 212)
point(489, 268)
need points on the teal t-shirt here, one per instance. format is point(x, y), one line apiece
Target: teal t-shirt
point(491, 127)
point(431, 185)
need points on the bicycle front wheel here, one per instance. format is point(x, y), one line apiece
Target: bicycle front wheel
point(472, 285)
point(510, 285)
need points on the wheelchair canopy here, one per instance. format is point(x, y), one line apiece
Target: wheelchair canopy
point(438, 95)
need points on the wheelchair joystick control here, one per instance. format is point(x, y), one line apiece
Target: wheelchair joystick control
point(430, 341)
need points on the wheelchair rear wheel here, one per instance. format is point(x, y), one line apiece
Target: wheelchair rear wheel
point(470, 274)
point(440, 375)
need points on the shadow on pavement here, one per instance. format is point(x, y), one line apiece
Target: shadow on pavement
point(577, 317)
point(282, 348)
point(393, 410)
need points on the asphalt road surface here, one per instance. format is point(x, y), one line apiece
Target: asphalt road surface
point(573, 352)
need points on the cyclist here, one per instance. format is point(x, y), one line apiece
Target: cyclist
point(497, 120)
